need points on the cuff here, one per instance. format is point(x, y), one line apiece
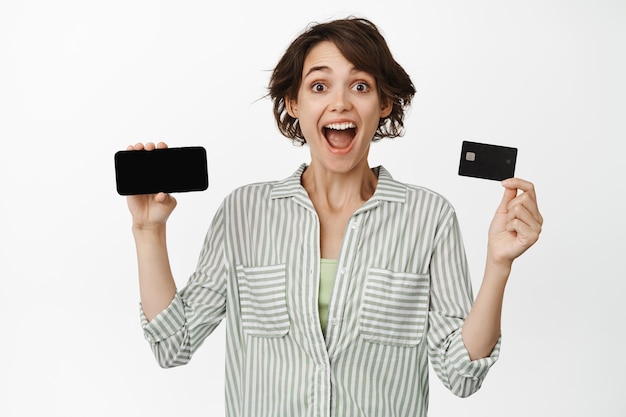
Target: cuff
point(166, 323)
point(460, 360)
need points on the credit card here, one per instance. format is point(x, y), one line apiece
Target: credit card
point(492, 162)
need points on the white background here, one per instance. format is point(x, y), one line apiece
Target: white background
point(80, 80)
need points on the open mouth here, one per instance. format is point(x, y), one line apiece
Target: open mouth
point(340, 135)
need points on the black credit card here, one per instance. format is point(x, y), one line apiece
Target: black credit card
point(170, 170)
point(482, 160)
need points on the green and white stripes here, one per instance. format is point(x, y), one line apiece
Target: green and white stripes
point(263, 304)
point(394, 309)
point(400, 296)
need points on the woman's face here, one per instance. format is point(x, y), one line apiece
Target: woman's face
point(338, 109)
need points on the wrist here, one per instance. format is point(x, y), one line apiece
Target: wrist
point(498, 262)
point(147, 231)
point(498, 255)
point(498, 269)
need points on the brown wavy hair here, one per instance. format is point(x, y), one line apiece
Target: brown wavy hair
point(361, 43)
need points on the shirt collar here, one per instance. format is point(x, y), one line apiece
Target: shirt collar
point(387, 188)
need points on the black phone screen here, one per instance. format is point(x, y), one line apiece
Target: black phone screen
point(167, 170)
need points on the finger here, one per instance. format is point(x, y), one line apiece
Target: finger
point(161, 145)
point(161, 197)
point(526, 234)
point(150, 146)
point(528, 197)
point(531, 205)
point(520, 184)
point(527, 200)
point(525, 216)
point(138, 146)
point(507, 197)
point(165, 199)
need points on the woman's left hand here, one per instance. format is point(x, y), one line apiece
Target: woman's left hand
point(517, 223)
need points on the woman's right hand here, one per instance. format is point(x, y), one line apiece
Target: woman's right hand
point(150, 211)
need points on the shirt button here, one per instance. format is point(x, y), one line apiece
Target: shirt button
point(354, 225)
point(343, 271)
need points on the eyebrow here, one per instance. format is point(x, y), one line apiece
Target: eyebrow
point(326, 68)
point(323, 68)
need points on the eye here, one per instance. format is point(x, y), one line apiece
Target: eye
point(361, 87)
point(318, 88)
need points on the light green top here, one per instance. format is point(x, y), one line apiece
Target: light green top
point(328, 269)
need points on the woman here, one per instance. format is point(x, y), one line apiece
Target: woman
point(338, 283)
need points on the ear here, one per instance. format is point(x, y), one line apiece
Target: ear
point(386, 108)
point(292, 107)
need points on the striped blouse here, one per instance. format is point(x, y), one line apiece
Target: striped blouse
point(401, 293)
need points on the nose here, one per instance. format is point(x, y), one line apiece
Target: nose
point(340, 100)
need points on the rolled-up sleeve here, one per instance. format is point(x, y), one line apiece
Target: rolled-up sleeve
point(166, 324)
point(457, 371)
point(450, 302)
point(196, 310)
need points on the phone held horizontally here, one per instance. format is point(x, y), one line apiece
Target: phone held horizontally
point(169, 170)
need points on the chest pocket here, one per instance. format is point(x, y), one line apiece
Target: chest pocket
point(394, 310)
point(262, 295)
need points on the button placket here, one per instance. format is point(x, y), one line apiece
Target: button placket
point(342, 273)
point(346, 259)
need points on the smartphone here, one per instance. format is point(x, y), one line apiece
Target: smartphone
point(170, 170)
point(482, 160)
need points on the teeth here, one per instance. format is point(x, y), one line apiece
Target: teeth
point(340, 126)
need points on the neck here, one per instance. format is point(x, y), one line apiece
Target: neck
point(337, 191)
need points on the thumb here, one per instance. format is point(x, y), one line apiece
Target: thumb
point(165, 199)
point(507, 197)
